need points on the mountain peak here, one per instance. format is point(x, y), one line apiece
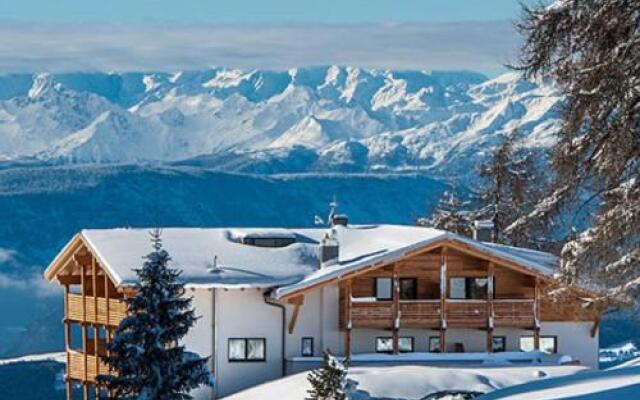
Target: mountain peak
point(390, 119)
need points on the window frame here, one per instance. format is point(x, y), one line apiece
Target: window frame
point(411, 338)
point(429, 344)
point(468, 287)
point(375, 288)
point(504, 344)
point(302, 340)
point(554, 337)
point(246, 350)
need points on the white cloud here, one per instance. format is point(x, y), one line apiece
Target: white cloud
point(34, 283)
point(31, 47)
point(6, 255)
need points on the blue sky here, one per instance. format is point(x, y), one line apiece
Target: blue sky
point(259, 11)
point(163, 35)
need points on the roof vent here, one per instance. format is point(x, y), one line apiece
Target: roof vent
point(483, 230)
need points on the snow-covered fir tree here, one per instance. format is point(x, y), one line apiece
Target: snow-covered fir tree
point(328, 382)
point(147, 361)
point(591, 49)
point(449, 215)
point(508, 189)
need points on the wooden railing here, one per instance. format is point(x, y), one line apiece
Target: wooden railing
point(427, 314)
point(375, 314)
point(466, 313)
point(420, 313)
point(116, 312)
point(513, 313)
point(85, 370)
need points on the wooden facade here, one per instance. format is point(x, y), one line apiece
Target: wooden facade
point(511, 299)
point(94, 306)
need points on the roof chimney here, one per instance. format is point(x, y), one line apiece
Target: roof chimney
point(483, 230)
point(329, 250)
point(339, 219)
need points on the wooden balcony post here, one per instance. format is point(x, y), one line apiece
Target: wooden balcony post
point(443, 300)
point(106, 298)
point(347, 339)
point(396, 309)
point(83, 285)
point(67, 338)
point(96, 331)
point(490, 308)
point(536, 316)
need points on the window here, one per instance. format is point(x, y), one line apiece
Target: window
point(383, 288)
point(434, 344)
point(548, 344)
point(247, 349)
point(385, 344)
point(499, 344)
point(408, 288)
point(307, 347)
point(405, 344)
point(468, 288)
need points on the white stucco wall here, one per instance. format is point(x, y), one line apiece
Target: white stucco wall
point(244, 314)
point(318, 318)
point(574, 339)
point(200, 337)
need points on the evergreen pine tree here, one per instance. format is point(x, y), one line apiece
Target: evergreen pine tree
point(449, 215)
point(145, 355)
point(590, 49)
point(330, 381)
point(508, 190)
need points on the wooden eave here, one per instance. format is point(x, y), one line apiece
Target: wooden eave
point(66, 256)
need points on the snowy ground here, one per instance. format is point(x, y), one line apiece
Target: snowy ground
point(57, 357)
point(411, 382)
point(612, 384)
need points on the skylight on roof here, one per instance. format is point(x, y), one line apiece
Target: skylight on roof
point(273, 239)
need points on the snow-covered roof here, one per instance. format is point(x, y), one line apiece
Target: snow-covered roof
point(286, 269)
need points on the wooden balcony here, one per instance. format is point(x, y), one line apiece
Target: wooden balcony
point(514, 313)
point(426, 314)
point(112, 316)
point(79, 371)
point(372, 314)
point(420, 314)
point(467, 313)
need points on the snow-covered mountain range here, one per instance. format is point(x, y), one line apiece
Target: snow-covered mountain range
point(300, 120)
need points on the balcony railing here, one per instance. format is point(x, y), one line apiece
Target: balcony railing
point(420, 313)
point(78, 370)
point(514, 313)
point(372, 314)
point(116, 312)
point(467, 313)
point(426, 314)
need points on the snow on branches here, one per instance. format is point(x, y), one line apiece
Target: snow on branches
point(592, 50)
point(145, 355)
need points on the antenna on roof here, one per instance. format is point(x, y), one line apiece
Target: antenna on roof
point(332, 210)
point(214, 268)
